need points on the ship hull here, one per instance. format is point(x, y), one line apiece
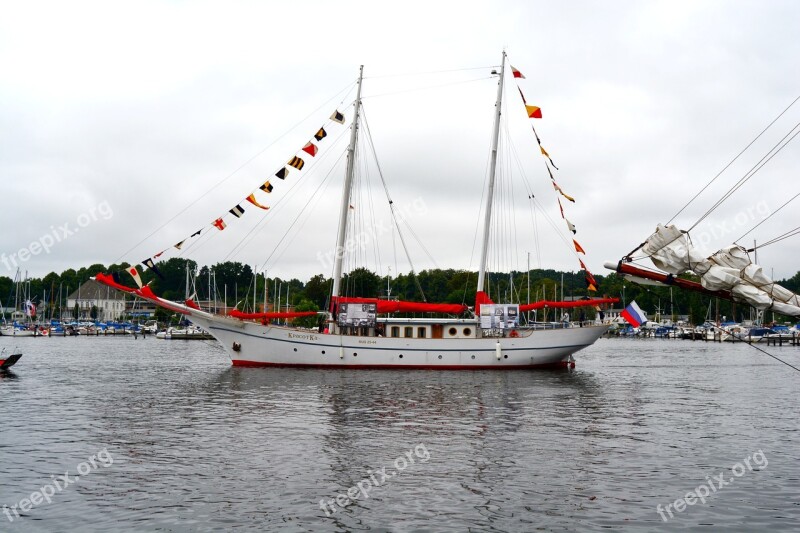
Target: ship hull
point(255, 345)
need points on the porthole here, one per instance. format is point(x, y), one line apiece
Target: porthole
point(323, 352)
point(452, 332)
point(401, 356)
point(440, 357)
point(467, 332)
point(295, 349)
point(505, 356)
point(473, 357)
point(354, 354)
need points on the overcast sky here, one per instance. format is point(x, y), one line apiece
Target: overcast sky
point(118, 118)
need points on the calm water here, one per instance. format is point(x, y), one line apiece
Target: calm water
point(181, 441)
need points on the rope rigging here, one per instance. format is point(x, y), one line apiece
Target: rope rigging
point(768, 217)
point(347, 89)
point(707, 185)
point(393, 213)
point(775, 150)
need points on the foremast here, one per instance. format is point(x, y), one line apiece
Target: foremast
point(492, 171)
point(348, 185)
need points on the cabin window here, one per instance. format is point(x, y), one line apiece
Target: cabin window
point(409, 332)
point(395, 331)
point(421, 332)
point(452, 332)
point(467, 332)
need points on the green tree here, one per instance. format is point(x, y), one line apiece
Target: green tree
point(173, 286)
point(317, 290)
point(362, 283)
point(306, 321)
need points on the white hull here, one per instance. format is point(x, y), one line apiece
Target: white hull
point(253, 344)
point(11, 332)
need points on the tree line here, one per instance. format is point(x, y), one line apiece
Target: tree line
point(236, 282)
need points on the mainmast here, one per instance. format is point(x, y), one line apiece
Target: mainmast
point(348, 184)
point(492, 170)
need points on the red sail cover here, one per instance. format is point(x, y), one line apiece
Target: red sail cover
point(392, 306)
point(258, 316)
point(191, 303)
point(567, 305)
point(108, 279)
point(481, 298)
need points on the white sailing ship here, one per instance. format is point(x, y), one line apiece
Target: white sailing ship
point(360, 333)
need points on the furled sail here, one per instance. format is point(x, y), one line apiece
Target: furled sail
point(266, 316)
point(397, 306)
point(729, 269)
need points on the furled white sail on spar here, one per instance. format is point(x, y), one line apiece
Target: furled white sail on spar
point(729, 269)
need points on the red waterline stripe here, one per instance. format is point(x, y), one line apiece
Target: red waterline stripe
point(545, 366)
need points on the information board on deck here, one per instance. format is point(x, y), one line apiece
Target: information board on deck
point(357, 315)
point(499, 316)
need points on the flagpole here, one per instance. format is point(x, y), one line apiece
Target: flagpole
point(492, 171)
point(348, 184)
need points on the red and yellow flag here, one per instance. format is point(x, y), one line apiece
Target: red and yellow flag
point(533, 111)
point(252, 200)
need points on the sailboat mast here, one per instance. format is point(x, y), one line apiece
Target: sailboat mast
point(492, 171)
point(348, 184)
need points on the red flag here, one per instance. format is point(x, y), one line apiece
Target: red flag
point(219, 224)
point(310, 148)
point(561, 208)
point(516, 73)
point(578, 247)
point(582, 265)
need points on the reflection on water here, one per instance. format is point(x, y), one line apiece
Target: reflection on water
point(199, 445)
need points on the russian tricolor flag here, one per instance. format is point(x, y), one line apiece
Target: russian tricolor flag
point(634, 315)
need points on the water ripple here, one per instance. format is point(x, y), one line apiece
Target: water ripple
point(200, 446)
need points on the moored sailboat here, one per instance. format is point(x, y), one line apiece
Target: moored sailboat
point(361, 332)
